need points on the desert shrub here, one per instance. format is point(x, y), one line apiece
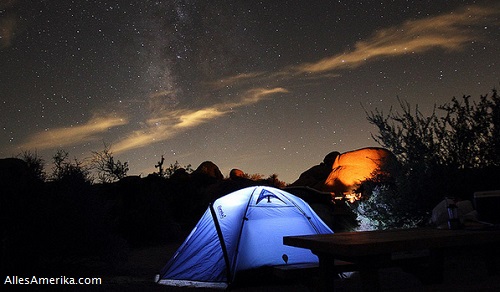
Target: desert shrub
point(35, 164)
point(388, 205)
point(57, 226)
point(69, 171)
point(106, 167)
point(440, 155)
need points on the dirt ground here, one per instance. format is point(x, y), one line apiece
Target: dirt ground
point(462, 272)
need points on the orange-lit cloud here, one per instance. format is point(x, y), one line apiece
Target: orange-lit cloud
point(61, 137)
point(451, 31)
point(173, 122)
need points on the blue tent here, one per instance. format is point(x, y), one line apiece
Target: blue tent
point(241, 231)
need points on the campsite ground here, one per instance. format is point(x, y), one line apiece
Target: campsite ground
point(462, 273)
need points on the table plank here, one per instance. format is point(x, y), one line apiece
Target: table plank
point(383, 242)
point(370, 250)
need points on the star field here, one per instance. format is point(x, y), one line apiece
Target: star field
point(264, 86)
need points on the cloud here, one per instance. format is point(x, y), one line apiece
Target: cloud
point(8, 22)
point(230, 81)
point(8, 25)
point(161, 100)
point(4, 4)
point(173, 122)
point(450, 31)
point(61, 137)
point(195, 118)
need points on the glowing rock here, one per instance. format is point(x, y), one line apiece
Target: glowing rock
point(351, 168)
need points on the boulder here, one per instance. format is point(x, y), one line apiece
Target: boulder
point(315, 176)
point(209, 169)
point(12, 171)
point(351, 168)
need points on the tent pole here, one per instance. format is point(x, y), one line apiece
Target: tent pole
point(241, 228)
point(303, 214)
point(222, 242)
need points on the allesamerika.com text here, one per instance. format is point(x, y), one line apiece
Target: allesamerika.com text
point(62, 280)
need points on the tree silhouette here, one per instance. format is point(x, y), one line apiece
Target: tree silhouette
point(453, 152)
point(471, 132)
point(35, 164)
point(169, 171)
point(466, 136)
point(255, 176)
point(66, 170)
point(108, 170)
point(275, 182)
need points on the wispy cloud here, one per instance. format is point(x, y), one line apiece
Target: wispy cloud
point(162, 126)
point(61, 137)
point(8, 23)
point(229, 81)
point(7, 26)
point(171, 123)
point(451, 31)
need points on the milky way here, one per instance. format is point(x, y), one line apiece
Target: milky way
point(264, 86)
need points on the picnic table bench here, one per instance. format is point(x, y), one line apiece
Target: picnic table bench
point(299, 271)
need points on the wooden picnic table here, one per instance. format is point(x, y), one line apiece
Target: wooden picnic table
point(371, 250)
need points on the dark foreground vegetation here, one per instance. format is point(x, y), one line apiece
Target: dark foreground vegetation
point(453, 152)
point(68, 223)
point(79, 220)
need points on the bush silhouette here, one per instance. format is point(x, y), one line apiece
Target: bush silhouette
point(452, 154)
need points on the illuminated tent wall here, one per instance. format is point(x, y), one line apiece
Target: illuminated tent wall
point(241, 231)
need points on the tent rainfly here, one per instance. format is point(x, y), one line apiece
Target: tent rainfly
point(240, 231)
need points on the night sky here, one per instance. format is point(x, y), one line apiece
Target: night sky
point(264, 86)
